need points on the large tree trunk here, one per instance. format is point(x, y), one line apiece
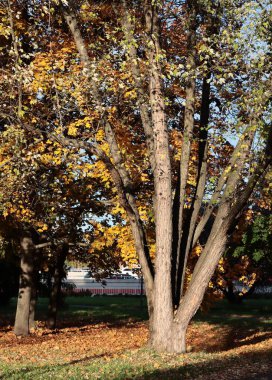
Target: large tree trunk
point(177, 342)
point(193, 297)
point(21, 326)
point(170, 340)
point(56, 287)
point(163, 308)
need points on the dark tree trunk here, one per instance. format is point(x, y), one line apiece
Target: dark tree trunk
point(236, 298)
point(21, 326)
point(231, 296)
point(56, 287)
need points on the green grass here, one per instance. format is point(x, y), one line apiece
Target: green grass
point(106, 308)
point(143, 363)
point(251, 312)
point(86, 308)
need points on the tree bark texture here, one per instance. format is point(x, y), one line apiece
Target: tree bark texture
point(179, 254)
point(163, 310)
point(21, 326)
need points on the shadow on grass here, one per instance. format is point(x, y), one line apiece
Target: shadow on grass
point(239, 338)
point(82, 310)
point(253, 365)
point(246, 366)
point(79, 311)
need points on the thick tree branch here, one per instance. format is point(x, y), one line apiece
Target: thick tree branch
point(178, 254)
point(139, 84)
point(216, 243)
point(201, 176)
point(243, 146)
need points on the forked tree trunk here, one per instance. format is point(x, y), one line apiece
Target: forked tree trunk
point(56, 288)
point(194, 294)
point(21, 326)
point(168, 324)
point(173, 340)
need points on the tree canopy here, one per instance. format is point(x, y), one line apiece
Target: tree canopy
point(146, 125)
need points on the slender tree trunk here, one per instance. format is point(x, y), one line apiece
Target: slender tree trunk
point(56, 288)
point(21, 326)
point(189, 226)
point(203, 272)
point(192, 300)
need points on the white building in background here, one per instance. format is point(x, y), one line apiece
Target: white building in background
point(124, 282)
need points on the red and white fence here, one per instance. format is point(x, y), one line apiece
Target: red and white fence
point(122, 291)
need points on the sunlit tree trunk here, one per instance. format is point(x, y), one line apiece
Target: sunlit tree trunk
point(163, 309)
point(22, 318)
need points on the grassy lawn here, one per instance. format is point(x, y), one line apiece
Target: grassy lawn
point(115, 308)
point(250, 313)
point(87, 308)
point(144, 364)
point(105, 338)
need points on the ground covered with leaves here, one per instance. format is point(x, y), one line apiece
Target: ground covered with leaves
point(238, 346)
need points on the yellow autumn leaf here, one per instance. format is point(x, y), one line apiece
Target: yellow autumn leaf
point(72, 130)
